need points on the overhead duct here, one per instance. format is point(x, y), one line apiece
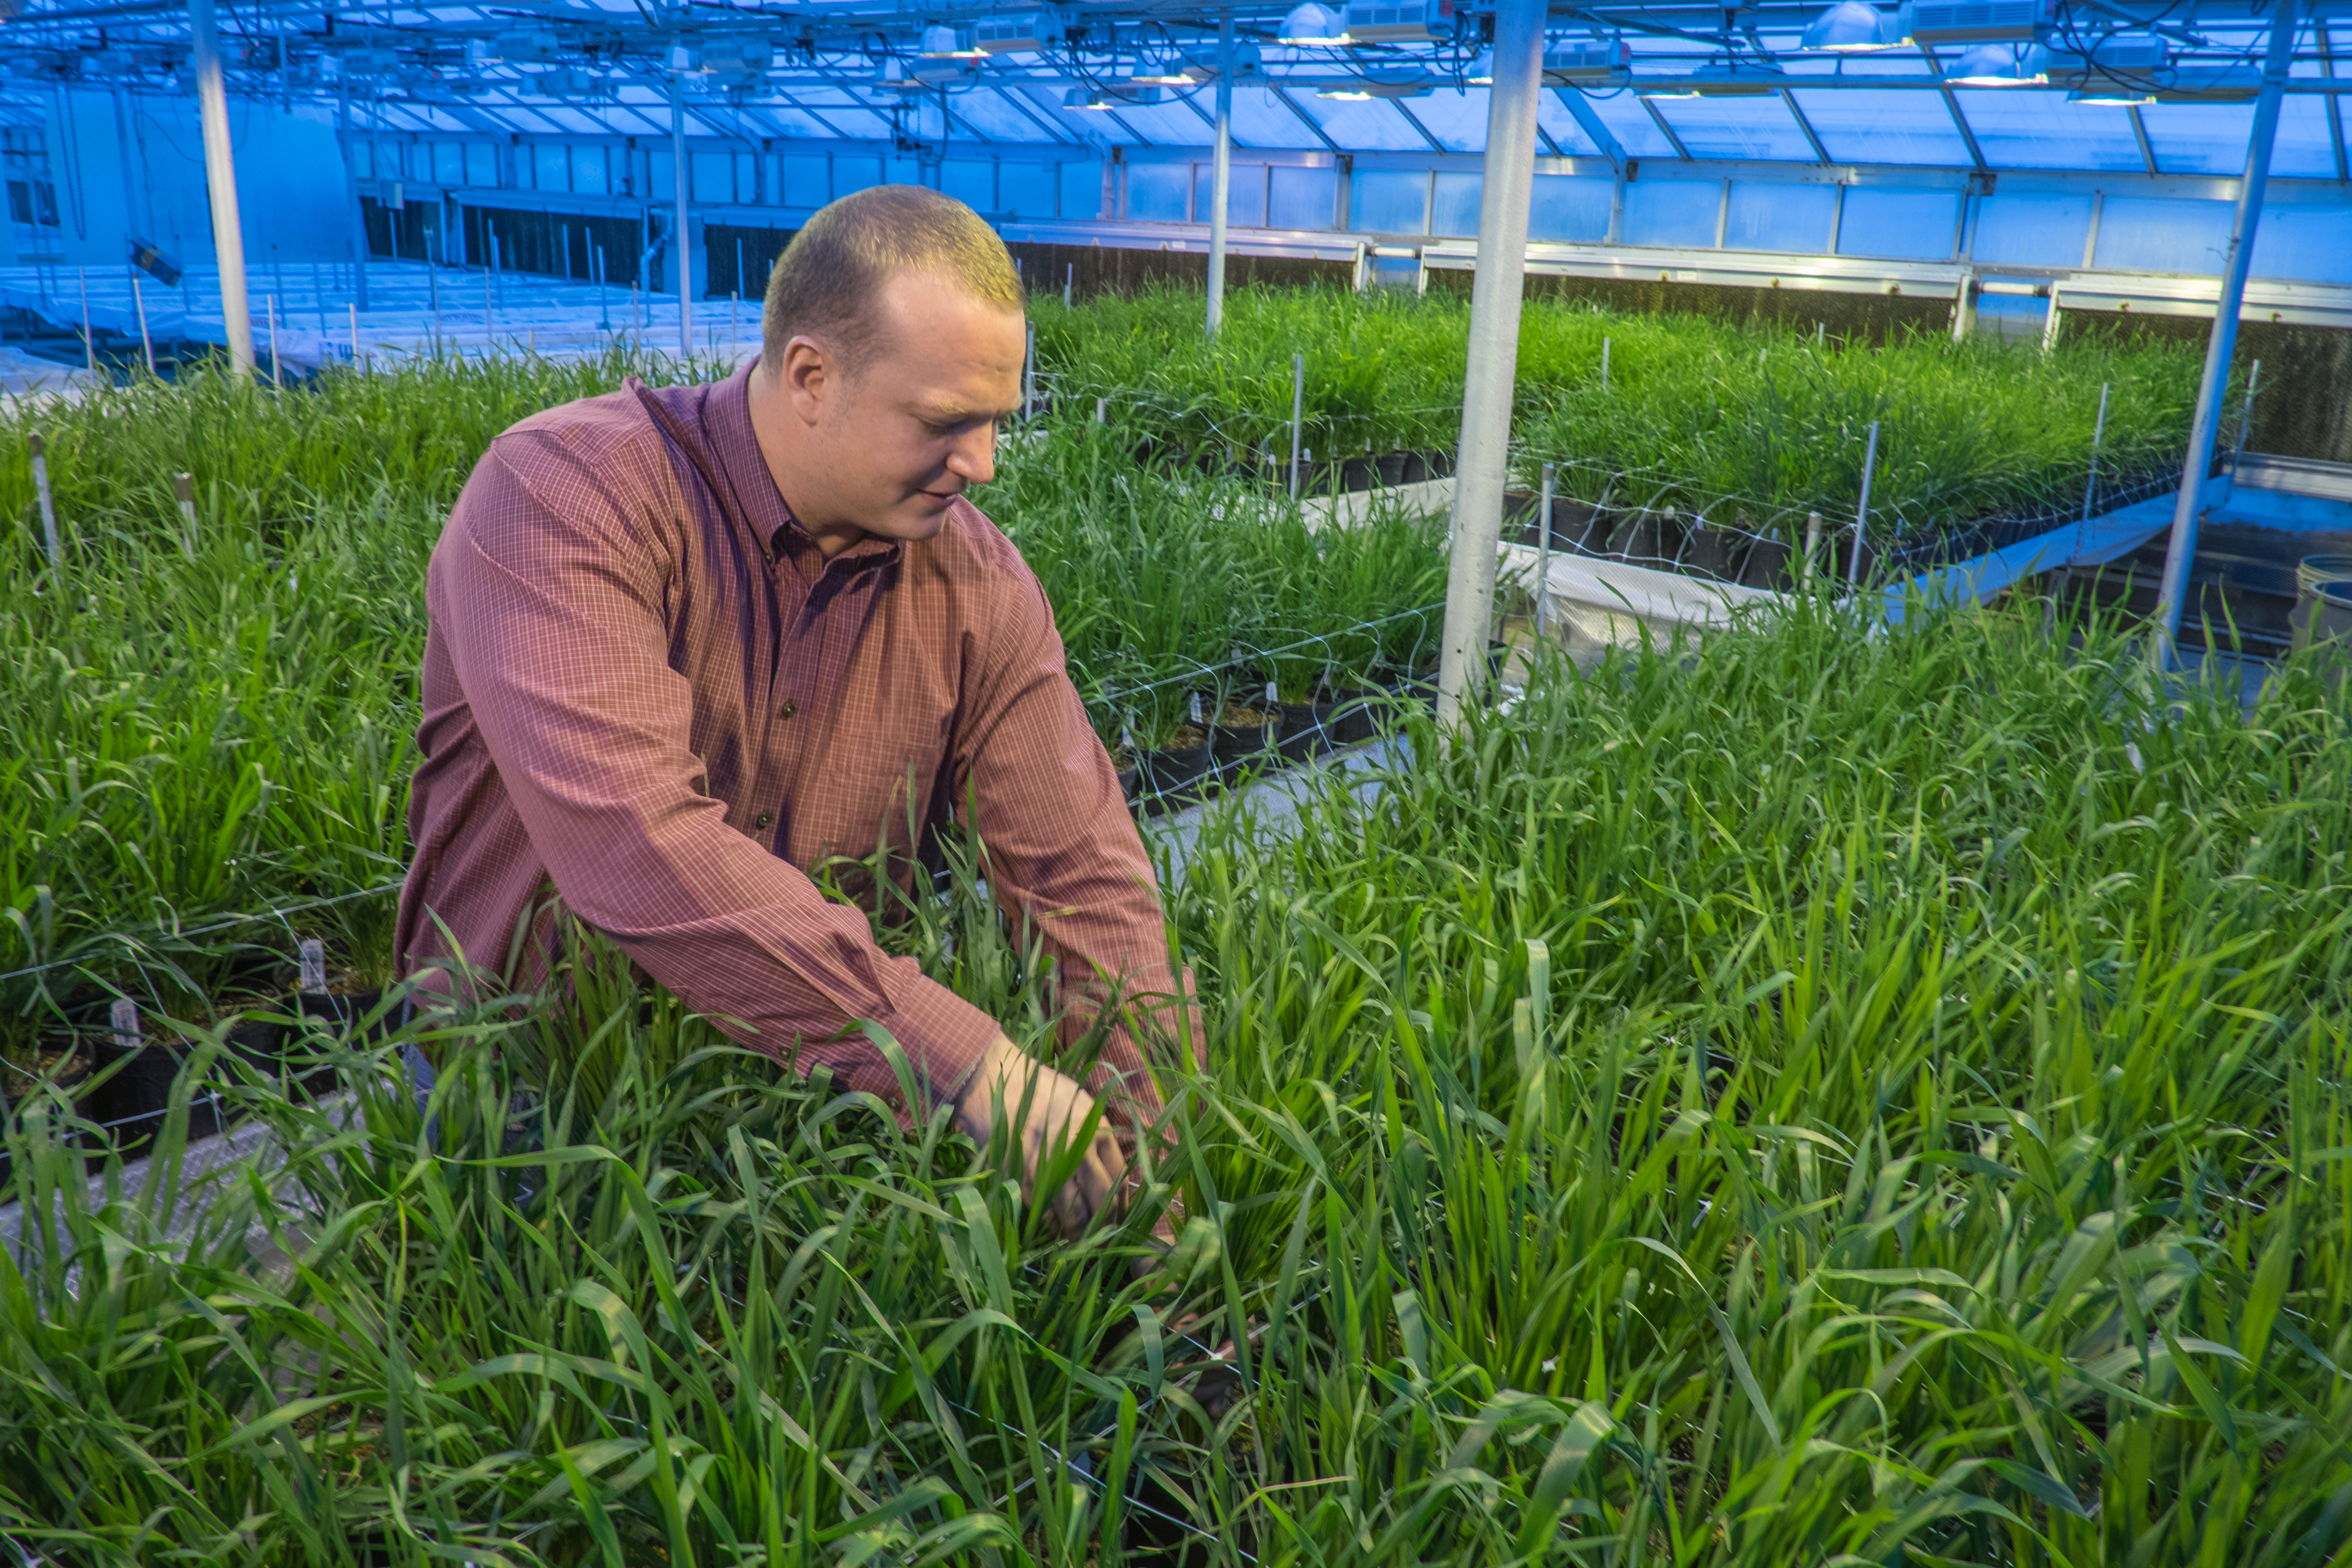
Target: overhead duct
point(1392, 22)
point(1980, 21)
point(1022, 32)
point(1587, 62)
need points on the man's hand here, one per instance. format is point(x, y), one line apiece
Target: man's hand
point(1056, 1108)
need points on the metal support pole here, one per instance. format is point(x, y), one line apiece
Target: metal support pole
point(1221, 187)
point(2205, 424)
point(1604, 364)
point(2245, 416)
point(1862, 512)
point(1493, 349)
point(2098, 438)
point(684, 246)
point(146, 342)
point(39, 448)
point(1543, 556)
point(220, 177)
point(351, 189)
point(1297, 416)
point(1029, 377)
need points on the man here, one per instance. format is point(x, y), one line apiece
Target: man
point(686, 645)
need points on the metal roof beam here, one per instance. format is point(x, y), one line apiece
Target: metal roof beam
point(1588, 120)
point(1952, 106)
point(1665, 130)
point(1797, 113)
point(1414, 120)
point(2139, 135)
point(2335, 110)
point(1305, 119)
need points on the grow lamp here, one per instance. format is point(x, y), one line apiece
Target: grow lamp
point(1364, 91)
point(1847, 27)
point(1315, 26)
point(2113, 97)
point(1169, 73)
point(1085, 97)
point(1482, 69)
point(2001, 65)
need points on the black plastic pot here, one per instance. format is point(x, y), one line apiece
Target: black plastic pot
point(1305, 728)
point(1770, 564)
point(1352, 714)
point(1237, 742)
point(1392, 467)
point(1130, 778)
point(1179, 767)
point(1709, 553)
point(1633, 538)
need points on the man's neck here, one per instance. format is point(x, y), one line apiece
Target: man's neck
point(771, 427)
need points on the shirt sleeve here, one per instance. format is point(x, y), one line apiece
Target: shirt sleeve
point(557, 633)
point(1062, 853)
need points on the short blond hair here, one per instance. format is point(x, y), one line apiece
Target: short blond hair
point(825, 283)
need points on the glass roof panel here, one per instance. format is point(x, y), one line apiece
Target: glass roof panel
point(991, 112)
point(1170, 122)
point(2199, 138)
point(1737, 127)
point(1635, 129)
point(2019, 129)
point(1880, 125)
point(1561, 127)
point(2306, 147)
point(1456, 116)
point(1369, 127)
point(1260, 121)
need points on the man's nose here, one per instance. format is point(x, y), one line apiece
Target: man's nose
point(973, 457)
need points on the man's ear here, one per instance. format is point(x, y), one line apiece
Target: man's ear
point(808, 377)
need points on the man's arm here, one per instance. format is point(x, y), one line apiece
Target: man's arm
point(1062, 849)
point(553, 618)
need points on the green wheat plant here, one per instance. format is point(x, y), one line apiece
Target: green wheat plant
point(1806, 1097)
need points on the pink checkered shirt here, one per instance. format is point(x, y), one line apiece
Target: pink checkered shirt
point(644, 686)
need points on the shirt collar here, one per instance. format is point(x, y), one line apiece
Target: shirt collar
point(729, 413)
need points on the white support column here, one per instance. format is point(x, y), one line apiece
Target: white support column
point(1221, 186)
point(358, 213)
point(220, 176)
point(1493, 367)
point(2205, 425)
point(684, 244)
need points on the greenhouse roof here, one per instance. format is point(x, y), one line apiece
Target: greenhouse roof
point(1981, 84)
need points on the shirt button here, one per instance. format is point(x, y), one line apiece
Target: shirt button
point(787, 711)
point(764, 818)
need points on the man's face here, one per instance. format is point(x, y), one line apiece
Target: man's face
point(890, 445)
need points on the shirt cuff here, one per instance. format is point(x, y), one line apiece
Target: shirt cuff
point(944, 1038)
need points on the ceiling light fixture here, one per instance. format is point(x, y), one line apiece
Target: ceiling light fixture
point(2001, 65)
point(941, 42)
point(1849, 27)
point(1314, 25)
